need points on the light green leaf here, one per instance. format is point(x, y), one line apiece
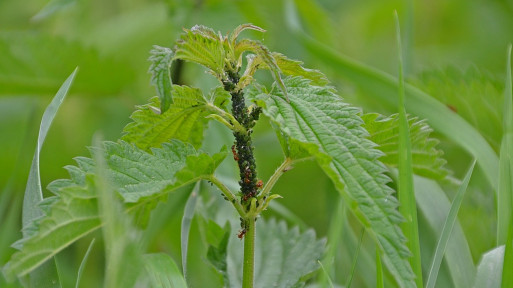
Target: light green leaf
point(332, 131)
point(202, 45)
point(284, 257)
point(188, 214)
point(489, 270)
point(163, 271)
point(427, 159)
point(161, 59)
point(185, 120)
point(140, 178)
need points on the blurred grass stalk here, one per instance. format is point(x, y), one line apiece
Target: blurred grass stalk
point(406, 194)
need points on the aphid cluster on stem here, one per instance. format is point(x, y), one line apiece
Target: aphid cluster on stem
point(242, 150)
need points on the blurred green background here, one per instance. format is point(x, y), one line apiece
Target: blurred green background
point(458, 44)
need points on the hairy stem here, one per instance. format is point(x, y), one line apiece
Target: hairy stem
point(284, 167)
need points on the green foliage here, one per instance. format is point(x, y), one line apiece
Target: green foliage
point(202, 45)
point(139, 178)
point(427, 160)
point(161, 58)
point(316, 115)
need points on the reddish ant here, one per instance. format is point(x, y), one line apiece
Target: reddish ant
point(241, 233)
point(235, 156)
point(260, 184)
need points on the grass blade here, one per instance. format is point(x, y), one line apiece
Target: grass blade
point(384, 87)
point(188, 213)
point(337, 226)
point(330, 283)
point(379, 271)
point(505, 197)
point(47, 274)
point(435, 206)
point(355, 259)
point(406, 194)
point(83, 263)
point(447, 229)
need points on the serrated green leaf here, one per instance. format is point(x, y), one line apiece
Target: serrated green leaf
point(489, 270)
point(202, 45)
point(427, 159)
point(294, 68)
point(140, 178)
point(161, 59)
point(284, 257)
point(317, 116)
point(163, 271)
point(185, 120)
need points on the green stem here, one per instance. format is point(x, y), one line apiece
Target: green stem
point(228, 194)
point(249, 253)
point(284, 167)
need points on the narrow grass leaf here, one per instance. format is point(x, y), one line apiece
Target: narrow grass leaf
point(355, 259)
point(506, 177)
point(336, 229)
point(447, 229)
point(384, 87)
point(83, 263)
point(188, 214)
point(489, 270)
point(327, 275)
point(435, 206)
point(505, 192)
point(34, 193)
point(163, 271)
point(379, 271)
point(406, 193)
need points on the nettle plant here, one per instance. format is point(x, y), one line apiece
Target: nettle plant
point(158, 154)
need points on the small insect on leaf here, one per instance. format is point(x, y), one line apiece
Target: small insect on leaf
point(260, 184)
point(235, 156)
